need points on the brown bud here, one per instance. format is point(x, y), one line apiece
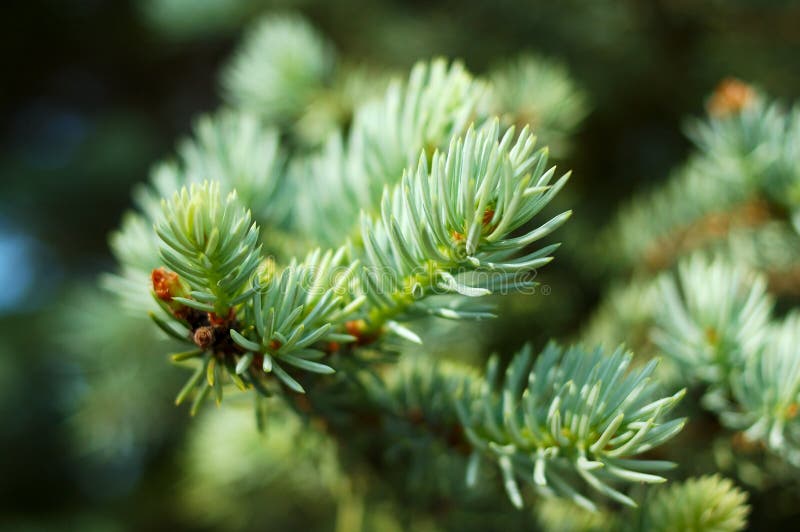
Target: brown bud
point(164, 283)
point(204, 336)
point(730, 97)
point(217, 321)
point(167, 284)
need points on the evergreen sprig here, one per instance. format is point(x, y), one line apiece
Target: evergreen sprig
point(705, 504)
point(435, 227)
point(282, 63)
point(212, 244)
point(720, 330)
point(238, 151)
point(437, 103)
point(448, 200)
point(456, 218)
point(294, 313)
point(767, 391)
point(538, 92)
point(569, 419)
point(754, 145)
point(742, 174)
point(712, 318)
point(233, 149)
point(272, 318)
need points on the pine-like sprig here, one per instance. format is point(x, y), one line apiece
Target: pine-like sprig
point(538, 92)
point(282, 63)
point(212, 244)
point(712, 317)
point(436, 104)
point(705, 504)
point(569, 419)
point(743, 173)
point(448, 201)
point(238, 151)
point(767, 390)
point(456, 218)
point(294, 312)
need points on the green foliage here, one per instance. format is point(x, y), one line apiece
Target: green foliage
point(704, 504)
point(241, 154)
point(373, 202)
point(435, 228)
point(644, 227)
point(560, 515)
point(455, 223)
point(292, 313)
point(570, 418)
point(553, 109)
point(225, 455)
point(210, 242)
point(727, 220)
point(281, 64)
point(447, 200)
point(743, 156)
point(755, 147)
point(236, 151)
point(457, 218)
point(767, 390)
point(719, 329)
point(421, 438)
point(122, 379)
point(714, 320)
point(424, 199)
point(437, 104)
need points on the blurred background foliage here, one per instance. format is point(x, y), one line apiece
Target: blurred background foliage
point(96, 92)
